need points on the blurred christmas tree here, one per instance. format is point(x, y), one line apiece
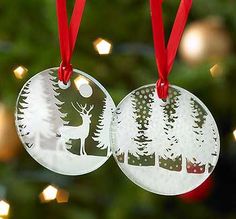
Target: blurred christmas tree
point(206, 67)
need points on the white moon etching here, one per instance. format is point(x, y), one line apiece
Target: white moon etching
point(85, 90)
point(167, 147)
point(59, 128)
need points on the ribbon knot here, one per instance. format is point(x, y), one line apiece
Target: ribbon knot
point(64, 72)
point(162, 87)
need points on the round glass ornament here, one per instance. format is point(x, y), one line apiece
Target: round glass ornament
point(65, 128)
point(167, 147)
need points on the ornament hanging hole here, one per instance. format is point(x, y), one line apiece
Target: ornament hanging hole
point(64, 86)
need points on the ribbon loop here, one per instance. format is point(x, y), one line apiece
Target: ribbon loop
point(165, 56)
point(68, 35)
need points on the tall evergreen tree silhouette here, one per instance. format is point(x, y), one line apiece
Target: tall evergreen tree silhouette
point(102, 135)
point(35, 113)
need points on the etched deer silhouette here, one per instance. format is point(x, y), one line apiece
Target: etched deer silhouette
point(68, 133)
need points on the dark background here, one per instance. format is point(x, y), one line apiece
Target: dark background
point(28, 37)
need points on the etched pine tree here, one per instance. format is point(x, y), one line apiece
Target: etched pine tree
point(199, 127)
point(170, 108)
point(115, 137)
point(214, 147)
point(136, 150)
point(142, 103)
point(155, 131)
point(35, 113)
point(192, 133)
point(102, 135)
point(22, 122)
point(208, 149)
point(186, 133)
point(126, 124)
point(58, 116)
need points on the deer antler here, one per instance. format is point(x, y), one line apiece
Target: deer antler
point(76, 108)
point(89, 110)
point(83, 108)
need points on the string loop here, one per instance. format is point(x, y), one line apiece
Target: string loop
point(68, 35)
point(165, 56)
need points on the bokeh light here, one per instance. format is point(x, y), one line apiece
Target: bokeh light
point(48, 194)
point(102, 46)
point(4, 208)
point(20, 72)
point(216, 70)
point(62, 196)
point(234, 134)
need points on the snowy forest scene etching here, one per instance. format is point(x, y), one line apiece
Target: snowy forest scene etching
point(167, 146)
point(65, 130)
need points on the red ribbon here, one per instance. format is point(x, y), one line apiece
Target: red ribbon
point(68, 35)
point(165, 56)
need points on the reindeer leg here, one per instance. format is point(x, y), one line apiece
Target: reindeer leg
point(84, 147)
point(81, 147)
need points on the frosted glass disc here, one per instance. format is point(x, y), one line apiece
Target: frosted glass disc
point(168, 147)
point(65, 129)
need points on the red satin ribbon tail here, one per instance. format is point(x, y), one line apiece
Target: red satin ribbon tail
point(68, 35)
point(165, 56)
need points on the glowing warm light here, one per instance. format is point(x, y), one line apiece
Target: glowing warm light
point(216, 70)
point(79, 81)
point(234, 133)
point(4, 208)
point(52, 193)
point(49, 194)
point(62, 196)
point(20, 72)
point(2, 120)
point(192, 44)
point(102, 46)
